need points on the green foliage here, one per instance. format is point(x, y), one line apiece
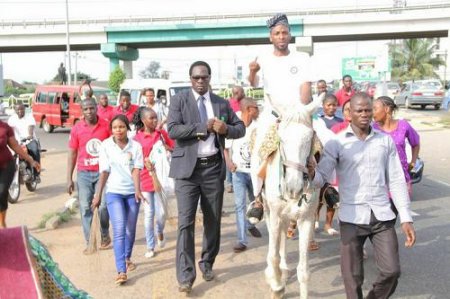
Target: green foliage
point(414, 59)
point(9, 90)
point(151, 71)
point(116, 78)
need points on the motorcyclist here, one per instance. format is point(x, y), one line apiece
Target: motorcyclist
point(24, 129)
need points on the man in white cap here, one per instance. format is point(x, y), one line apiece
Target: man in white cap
point(287, 78)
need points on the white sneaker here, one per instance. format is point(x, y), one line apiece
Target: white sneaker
point(162, 243)
point(149, 254)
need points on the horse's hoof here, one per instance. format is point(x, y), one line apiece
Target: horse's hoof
point(277, 294)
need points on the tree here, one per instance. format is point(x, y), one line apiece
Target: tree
point(414, 59)
point(151, 71)
point(116, 78)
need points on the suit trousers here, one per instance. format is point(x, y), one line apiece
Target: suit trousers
point(384, 239)
point(205, 185)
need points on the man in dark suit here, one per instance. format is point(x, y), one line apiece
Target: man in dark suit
point(199, 121)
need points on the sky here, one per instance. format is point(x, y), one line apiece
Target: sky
point(42, 66)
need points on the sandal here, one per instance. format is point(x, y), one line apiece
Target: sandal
point(121, 278)
point(313, 245)
point(130, 266)
point(332, 232)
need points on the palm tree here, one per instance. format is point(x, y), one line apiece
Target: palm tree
point(414, 59)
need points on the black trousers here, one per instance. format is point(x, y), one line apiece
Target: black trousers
point(204, 185)
point(384, 239)
point(6, 178)
point(34, 149)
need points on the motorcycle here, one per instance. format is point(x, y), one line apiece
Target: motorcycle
point(24, 174)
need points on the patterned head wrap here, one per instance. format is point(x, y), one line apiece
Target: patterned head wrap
point(278, 19)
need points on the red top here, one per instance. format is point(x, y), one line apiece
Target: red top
point(147, 140)
point(86, 140)
point(234, 103)
point(343, 96)
point(105, 113)
point(340, 126)
point(129, 113)
point(6, 132)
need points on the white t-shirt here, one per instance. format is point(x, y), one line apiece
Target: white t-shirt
point(120, 163)
point(282, 78)
point(21, 125)
point(240, 148)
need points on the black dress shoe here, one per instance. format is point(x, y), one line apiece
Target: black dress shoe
point(208, 274)
point(254, 232)
point(185, 287)
point(239, 247)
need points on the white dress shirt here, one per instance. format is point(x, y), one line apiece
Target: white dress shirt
point(119, 163)
point(367, 170)
point(208, 147)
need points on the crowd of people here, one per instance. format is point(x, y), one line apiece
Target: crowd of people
point(212, 141)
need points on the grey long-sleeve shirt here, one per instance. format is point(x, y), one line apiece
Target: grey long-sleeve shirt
point(367, 171)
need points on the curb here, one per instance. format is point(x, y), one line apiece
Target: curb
point(69, 207)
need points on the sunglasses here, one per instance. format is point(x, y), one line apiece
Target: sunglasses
point(197, 78)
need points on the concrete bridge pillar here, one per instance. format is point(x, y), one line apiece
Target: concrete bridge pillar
point(304, 44)
point(116, 52)
point(128, 68)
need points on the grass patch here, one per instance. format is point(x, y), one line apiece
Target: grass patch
point(63, 217)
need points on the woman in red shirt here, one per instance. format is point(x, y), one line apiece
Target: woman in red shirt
point(146, 121)
point(8, 167)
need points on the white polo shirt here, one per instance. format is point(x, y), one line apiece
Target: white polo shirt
point(119, 163)
point(21, 125)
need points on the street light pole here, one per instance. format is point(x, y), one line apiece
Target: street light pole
point(68, 43)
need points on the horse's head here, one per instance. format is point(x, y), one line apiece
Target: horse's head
point(295, 147)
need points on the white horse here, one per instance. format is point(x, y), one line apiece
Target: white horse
point(288, 196)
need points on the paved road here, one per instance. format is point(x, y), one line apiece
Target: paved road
point(426, 267)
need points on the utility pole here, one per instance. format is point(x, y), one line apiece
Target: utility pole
point(69, 69)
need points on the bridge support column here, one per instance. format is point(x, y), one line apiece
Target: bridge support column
point(128, 68)
point(116, 52)
point(113, 63)
point(304, 44)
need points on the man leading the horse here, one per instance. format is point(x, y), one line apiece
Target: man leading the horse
point(287, 80)
point(368, 168)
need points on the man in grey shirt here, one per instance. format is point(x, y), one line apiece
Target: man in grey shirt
point(368, 168)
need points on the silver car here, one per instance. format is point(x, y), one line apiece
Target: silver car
point(422, 95)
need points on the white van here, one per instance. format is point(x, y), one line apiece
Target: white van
point(162, 87)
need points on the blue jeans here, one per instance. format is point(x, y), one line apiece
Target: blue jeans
point(242, 185)
point(445, 103)
point(229, 177)
point(149, 219)
point(86, 185)
point(124, 211)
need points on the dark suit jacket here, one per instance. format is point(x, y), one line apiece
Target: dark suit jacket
point(183, 123)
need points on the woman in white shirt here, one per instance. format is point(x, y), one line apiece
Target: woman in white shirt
point(120, 163)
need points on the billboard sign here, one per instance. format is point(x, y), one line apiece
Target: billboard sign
point(361, 68)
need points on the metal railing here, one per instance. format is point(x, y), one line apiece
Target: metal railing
point(216, 17)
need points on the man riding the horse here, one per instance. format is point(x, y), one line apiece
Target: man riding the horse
point(286, 77)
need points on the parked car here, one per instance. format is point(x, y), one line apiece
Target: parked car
point(390, 89)
point(415, 94)
point(162, 87)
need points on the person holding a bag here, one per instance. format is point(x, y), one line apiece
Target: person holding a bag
point(146, 122)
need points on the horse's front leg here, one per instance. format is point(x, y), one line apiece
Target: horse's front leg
point(305, 231)
point(273, 271)
point(283, 252)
